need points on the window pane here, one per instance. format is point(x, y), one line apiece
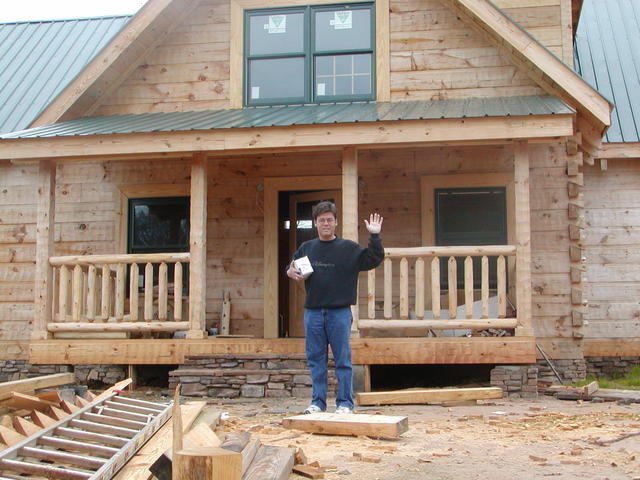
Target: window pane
point(160, 224)
point(343, 29)
point(276, 78)
point(276, 33)
point(343, 75)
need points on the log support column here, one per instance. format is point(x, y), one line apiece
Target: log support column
point(44, 249)
point(198, 247)
point(523, 239)
point(350, 208)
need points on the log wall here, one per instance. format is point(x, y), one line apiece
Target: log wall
point(611, 239)
point(433, 55)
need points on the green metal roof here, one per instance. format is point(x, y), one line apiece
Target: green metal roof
point(607, 56)
point(287, 115)
point(39, 59)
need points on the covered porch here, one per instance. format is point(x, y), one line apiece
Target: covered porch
point(404, 305)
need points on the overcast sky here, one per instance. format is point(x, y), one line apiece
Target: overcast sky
point(25, 10)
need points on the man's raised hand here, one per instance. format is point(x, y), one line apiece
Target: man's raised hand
point(374, 225)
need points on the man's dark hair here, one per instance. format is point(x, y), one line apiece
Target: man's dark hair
point(324, 207)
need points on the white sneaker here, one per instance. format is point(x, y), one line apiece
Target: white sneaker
point(312, 409)
point(342, 410)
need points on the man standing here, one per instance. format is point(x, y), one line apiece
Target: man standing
point(331, 289)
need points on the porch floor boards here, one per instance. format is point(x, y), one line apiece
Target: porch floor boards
point(366, 351)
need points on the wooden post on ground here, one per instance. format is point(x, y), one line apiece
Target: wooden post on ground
point(198, 246)
point(350, 208)
point(44, 249)
point(523, 239)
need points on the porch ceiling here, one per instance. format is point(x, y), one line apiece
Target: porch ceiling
point(297, 126)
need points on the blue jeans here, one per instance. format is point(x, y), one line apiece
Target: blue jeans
point(324, 327)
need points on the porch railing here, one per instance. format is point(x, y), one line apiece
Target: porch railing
point(422, 310)
point(117, 293)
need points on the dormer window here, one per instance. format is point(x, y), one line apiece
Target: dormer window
point(309, 54)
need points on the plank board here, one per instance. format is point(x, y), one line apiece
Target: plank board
point(349, 424)
point(30, 384)
point(432, 395)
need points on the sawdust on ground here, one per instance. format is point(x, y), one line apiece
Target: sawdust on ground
point(506, 439)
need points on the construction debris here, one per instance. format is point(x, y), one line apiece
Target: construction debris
point(30, 385)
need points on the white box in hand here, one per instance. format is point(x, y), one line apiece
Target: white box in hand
point(304, 266)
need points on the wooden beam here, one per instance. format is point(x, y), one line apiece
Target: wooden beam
point(30, 384)
point(20, 401)
point(198, 247)
point(349, 424)
point(43, 288)
point(366, 351)
point(611, 347)
point(423, 326)
point(271, 462)
point(434, 395)
point(206, 463)
point(363, 134)
point(350, 208)
point(122, 55)
point(619, 150)
point(522, 209)
point(535, 59)
point(120, 327)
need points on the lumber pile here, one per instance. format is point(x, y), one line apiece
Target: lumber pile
point(349, 424)
point(428, 396)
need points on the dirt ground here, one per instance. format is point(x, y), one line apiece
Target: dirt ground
point(505, 439)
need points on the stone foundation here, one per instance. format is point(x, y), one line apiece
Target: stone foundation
point(610, 366)
point(247, 376)
point(11, 370)
point(94, 375)
point(516, 381)
point(569, 370)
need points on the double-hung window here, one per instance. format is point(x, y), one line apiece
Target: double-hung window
point(309, 54)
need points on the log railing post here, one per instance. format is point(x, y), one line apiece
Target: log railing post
point(43, 291)
point(198, 247)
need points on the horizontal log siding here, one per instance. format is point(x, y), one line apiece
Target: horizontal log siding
point(612, 212)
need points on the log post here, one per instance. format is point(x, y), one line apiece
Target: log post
point(206, 463)
point(350, 208)
point(523, 239)
point(44, 249)
point(198, 247)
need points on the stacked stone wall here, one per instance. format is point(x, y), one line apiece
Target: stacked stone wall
point(246, 376)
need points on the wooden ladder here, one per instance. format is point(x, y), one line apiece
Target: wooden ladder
point(90, 444)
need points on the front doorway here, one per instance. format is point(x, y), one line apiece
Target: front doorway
point(298, 229)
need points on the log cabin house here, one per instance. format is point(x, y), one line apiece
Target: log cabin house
point(177, 166)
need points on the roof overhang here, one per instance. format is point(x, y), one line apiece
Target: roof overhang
point(620, 150)
point(292, 137)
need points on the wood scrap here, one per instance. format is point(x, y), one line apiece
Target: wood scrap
point(617, 395)
point(349, 424)
point(274, 463)
point(25, 427)
point(56, 413)
point(50, 396)
point(308, 471)
point(9, 436)
point(68, 407)
point(563, 392)
point(28, 385)
point(21, 401)
point(617, 439)
point(81, 402)
point(206, 463)
point(225, 316)
point(41, 420)
point(431, 395)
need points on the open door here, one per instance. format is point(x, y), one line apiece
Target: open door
point(301, 229)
